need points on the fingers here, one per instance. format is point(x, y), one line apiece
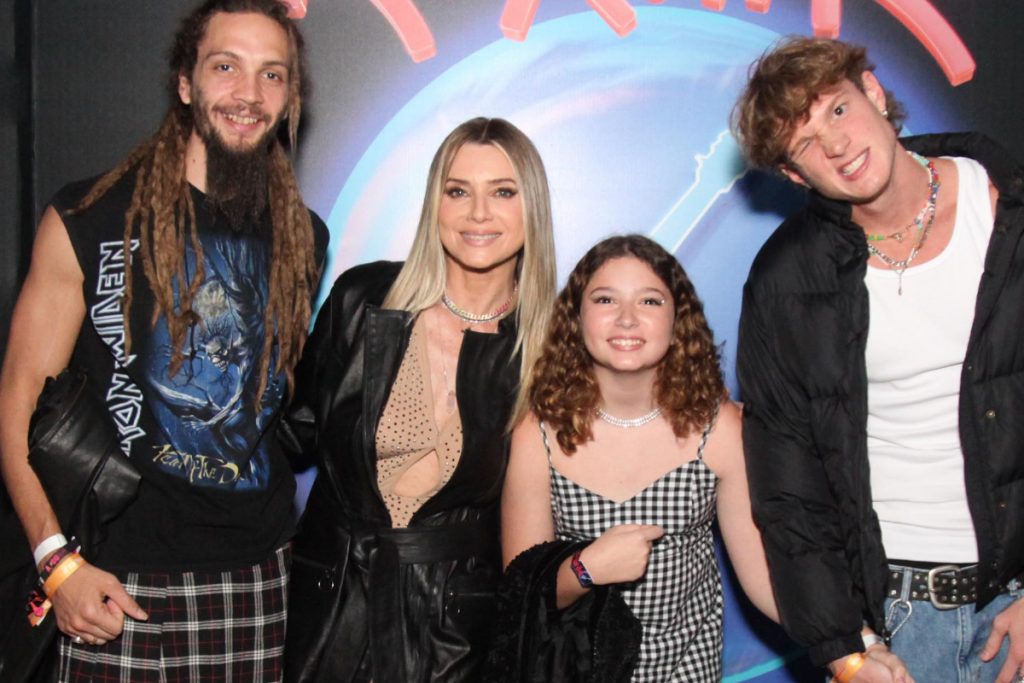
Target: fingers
point(91, 605)
point(650, 532)
point(1000, 629)
point(1008, 624)
point(882, 666)
point(118, 597)
point(1008, 674)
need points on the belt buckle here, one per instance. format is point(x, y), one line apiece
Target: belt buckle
point(932, 573)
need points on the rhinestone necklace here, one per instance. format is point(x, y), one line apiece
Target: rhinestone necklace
point(477, 318)
point(631, 422)
point(899, 266)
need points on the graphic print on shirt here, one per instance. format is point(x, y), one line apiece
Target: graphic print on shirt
point(210, 428)
point(124, 399)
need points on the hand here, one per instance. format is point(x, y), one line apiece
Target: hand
point(91, 603)
point(620, 554)
point(1008, 624)
point(880, 666)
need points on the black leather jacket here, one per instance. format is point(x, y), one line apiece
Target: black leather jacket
point(367, 600)
point(803, 380)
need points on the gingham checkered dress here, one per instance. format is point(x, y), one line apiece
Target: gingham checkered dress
point(679, 599)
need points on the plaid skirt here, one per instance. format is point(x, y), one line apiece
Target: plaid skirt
point(203, 626)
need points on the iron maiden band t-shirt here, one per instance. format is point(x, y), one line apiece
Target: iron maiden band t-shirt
point(216, 490)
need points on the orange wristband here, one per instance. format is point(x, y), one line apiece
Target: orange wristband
point(68, 566)
point(850, 668)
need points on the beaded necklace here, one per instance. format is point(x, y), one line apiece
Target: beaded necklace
point(899, 266)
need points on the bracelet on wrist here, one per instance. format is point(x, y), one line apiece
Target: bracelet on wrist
point(580, 570)
point(64, 569)
point(870, 639)
point(851, 665)
point(69, 548)
point(47, 546)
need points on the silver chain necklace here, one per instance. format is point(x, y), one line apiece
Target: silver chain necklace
point(630, 422)
point(477, 318)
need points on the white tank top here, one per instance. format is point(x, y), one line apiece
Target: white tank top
point(915, 350)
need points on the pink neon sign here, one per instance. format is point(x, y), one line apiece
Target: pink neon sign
point(919, 17)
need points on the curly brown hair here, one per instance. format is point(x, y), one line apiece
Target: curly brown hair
point(783, 86)
point(688, 387)
point(163, 213)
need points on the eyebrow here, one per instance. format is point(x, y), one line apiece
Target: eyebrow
point(496, 181)
point(645, 290)
point(236, 56)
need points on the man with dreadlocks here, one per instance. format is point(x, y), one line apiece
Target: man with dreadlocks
point(190, 581)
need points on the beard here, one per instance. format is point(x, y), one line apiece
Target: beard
point(236, 178)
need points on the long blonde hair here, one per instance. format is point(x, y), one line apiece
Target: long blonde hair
point(421, 282)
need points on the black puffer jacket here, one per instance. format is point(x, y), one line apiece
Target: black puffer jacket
point(802, 375)
point(406, 605)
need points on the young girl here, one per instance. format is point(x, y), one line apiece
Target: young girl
point(630, 449)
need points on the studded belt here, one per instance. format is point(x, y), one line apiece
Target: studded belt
point(946, 586)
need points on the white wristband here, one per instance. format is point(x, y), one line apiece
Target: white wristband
point(871, 639)
point(48, 546)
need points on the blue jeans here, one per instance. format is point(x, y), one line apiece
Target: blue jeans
point(943, 646)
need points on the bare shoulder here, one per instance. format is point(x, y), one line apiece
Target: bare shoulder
point(725, 444)
point(528, 443)
point(53, 257)
point(49, 310)
point(729, 427)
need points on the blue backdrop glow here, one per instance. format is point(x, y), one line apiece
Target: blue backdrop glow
point(634, 135)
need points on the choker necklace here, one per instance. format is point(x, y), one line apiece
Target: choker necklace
point(474, 318)
point(923, 228)
point(631, 422)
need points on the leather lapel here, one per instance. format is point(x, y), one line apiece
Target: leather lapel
point(387, 337)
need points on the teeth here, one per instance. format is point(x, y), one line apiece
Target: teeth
point(854, 165)
point(244, 120)
point(626, 343)
point(477, 237)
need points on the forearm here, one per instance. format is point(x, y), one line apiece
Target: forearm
point(27, 495)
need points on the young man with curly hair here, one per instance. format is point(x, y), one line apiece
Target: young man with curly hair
point(879, 362)
point(181, 282)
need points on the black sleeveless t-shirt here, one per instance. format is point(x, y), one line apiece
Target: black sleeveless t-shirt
point(216, 489)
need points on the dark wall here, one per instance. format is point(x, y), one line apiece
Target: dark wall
point(83, 83)
point(15, 160)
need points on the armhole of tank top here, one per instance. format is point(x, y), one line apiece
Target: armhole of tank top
point(707, 432)
point(544, 438)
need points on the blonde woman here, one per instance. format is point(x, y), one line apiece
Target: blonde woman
point(404, 397)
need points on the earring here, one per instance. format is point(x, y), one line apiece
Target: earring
point(885, 113)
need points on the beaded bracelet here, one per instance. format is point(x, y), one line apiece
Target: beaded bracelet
point(850, 668)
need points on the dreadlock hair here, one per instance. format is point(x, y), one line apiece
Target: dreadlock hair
point(162, 213)
point(688, 386)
